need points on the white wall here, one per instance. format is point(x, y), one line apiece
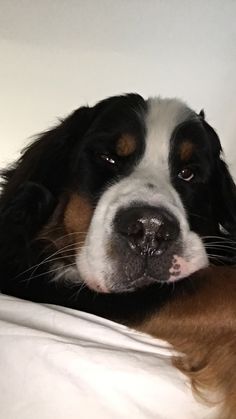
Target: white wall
point(58, 54)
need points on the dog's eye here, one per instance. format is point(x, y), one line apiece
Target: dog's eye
point(186, 174)
point(107, 158)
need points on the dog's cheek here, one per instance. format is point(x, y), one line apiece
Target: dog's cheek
point(66, 231)
point(77, 218)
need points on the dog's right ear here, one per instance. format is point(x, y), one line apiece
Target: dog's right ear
point(223, 188)
point(46, 161)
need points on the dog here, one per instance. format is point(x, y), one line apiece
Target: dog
point(115, 209)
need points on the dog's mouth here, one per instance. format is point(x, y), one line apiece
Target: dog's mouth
point(127, 271)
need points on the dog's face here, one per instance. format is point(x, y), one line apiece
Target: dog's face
point(139, 231)
point(137, 186)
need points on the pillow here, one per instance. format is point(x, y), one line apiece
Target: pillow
point(64, 364)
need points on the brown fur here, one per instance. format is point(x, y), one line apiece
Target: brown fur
point(78, 214)
point(126, 145)
point(186, 150)
point(202, 325)
point(67, 228)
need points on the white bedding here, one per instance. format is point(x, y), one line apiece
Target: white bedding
point(58, 363)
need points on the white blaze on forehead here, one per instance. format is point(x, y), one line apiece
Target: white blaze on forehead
point(163, 116)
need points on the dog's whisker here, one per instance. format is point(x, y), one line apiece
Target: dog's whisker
point(50, 271)
point(69, 247)
point(220, 258)
point(219, 238)
point(49, 258)
point(73, 233)
point(215, 258)
point(222, 243)
point(62, 237)
point(219, 247)
point(59, 258)
point(77, 292)
point(58, 239)
point(197, 215)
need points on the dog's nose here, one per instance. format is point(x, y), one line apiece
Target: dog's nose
point(148, 230)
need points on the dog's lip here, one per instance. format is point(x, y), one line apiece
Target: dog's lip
point(141, 282)
point(102, 289)
point(94, 284)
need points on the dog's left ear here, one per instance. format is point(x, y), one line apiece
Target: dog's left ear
point(222, 184)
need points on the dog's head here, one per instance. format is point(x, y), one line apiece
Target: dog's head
point(138, 184)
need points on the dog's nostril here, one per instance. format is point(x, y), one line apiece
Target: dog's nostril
point(148, 230)
point(136, 229)
point(163, 234)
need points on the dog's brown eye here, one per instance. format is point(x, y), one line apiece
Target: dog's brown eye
point(107, 158)
point(186, 174)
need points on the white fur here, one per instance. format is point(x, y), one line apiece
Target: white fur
point(162, 118)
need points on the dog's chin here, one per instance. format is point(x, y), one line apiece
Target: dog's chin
point(117, 285)
point(125, 276)
point(139, 283)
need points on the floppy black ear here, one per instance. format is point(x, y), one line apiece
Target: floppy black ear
point(32, 185)
point(46, 161)
point(222, 184)
point(30, 190)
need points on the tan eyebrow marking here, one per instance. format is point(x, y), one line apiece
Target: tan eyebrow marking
point(186, 150)
point(126, 145)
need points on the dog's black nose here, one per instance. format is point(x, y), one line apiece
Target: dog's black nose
point(148, 230)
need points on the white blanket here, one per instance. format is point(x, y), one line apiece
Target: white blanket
point(58, 363)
